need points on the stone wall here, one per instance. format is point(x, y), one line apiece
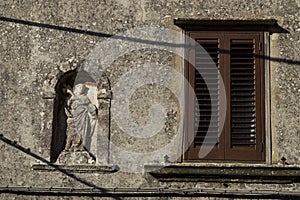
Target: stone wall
point(36, 51)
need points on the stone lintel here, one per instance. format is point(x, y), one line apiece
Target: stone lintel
point(268, 25)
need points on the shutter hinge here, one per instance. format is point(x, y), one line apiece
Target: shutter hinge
point(190, 46)
point(260, 46)
point(262, 147)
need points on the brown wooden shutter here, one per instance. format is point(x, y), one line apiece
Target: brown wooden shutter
point(239, 59)
point(244, 130)
point(208, 103)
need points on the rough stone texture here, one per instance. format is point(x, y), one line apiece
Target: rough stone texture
point(32, 59)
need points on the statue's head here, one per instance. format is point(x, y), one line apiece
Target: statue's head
point(80, 89)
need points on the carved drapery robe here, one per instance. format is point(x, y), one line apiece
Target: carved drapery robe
point(82, 119)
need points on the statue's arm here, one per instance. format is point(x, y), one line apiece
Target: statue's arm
point(92, 109)
point(70, 92)
point(71, 99)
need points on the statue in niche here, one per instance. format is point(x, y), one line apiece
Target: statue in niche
point(81, 126)
point(82, 119)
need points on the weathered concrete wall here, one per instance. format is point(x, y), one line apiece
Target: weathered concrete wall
point(33, 58)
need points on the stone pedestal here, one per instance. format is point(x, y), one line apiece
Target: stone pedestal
point(75, 157)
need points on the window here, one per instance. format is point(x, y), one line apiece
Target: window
point(239, 58)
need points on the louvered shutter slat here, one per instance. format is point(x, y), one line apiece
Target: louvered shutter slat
point(207, 102)
point(242, 93)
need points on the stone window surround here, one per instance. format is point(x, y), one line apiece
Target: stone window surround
point(268, 26)
point(241, 172)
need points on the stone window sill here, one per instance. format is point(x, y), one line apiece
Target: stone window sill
point(220, 172)
point(80, 168)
